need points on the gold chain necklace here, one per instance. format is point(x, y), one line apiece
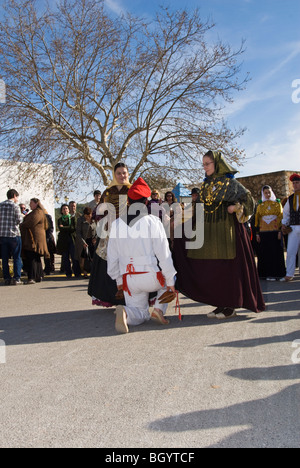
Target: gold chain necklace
point(212, 191)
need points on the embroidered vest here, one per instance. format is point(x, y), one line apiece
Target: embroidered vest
point(294, 215)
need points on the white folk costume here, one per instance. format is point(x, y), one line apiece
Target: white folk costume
point(291, 219)
point(139, 258)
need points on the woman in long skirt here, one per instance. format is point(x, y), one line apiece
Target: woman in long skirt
point(270, 253)
point(34, 244)
point(223, 272)
point(102, 288)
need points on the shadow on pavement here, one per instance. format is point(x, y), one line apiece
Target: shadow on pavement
point(269, 422)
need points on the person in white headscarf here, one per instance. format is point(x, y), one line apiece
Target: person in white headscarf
point(270, 253)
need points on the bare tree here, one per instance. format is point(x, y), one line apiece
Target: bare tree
point(85, 90)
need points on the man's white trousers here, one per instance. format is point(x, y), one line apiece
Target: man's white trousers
point(137, 305)
point(292, 250)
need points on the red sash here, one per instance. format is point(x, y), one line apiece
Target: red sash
point(131, 271)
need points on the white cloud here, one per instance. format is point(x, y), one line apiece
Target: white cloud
point(265, 18)
point(293, 50)
point(115, 6)
point(267, 84)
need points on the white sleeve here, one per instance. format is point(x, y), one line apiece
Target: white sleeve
point(163, 254)
point(113, 266)
point(286, 214)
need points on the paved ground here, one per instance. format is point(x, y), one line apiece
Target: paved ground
point(70, 381)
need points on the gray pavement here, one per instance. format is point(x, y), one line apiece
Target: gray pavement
point(68, 380)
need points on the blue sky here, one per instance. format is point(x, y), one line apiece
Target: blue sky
point(272, 57)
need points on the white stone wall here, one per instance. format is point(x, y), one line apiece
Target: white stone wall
point(38, 183)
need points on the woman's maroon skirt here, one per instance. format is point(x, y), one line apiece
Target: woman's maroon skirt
point(221, 283)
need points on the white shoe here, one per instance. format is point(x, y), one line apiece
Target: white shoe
point(121, 320)
point(214, 313)
point(287, 279)
point(227, 314)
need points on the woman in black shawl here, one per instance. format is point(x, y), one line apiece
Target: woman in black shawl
point(223, 272)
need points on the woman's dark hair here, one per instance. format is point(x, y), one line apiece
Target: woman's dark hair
point(120, 164)
point(37, 201)
point(210, 155)
point(87, 210)
point(266, 187)
point(173, 196)
point(61, 208)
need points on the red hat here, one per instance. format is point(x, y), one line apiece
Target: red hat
point(139, 190)
point(294, 177)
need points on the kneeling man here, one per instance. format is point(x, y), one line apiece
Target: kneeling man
point(139, 259)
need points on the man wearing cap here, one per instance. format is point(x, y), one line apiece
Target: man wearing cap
point(136, 244)
point(291, 226)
